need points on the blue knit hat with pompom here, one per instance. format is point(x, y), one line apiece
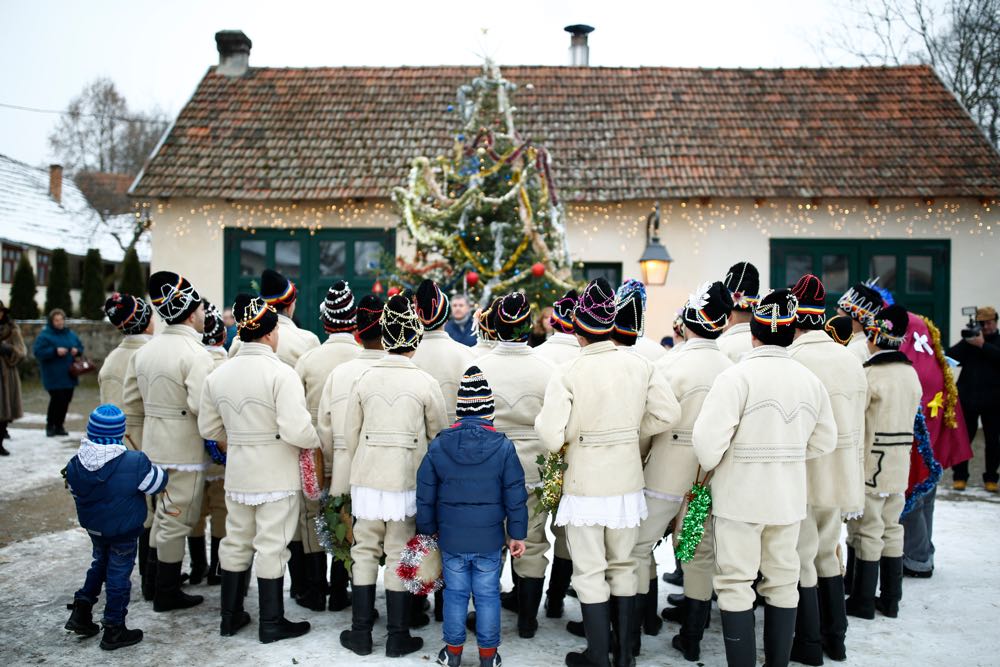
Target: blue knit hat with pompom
point(106, 425)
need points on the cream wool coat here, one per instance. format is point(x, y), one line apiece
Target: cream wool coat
point(215, 471)
point(162, 387)
point(601, 404)
point(394, 409)
point(894, 394)
point(293, 342)
point(257, 405)
point(672, 465)
point(835, 481)
point(559, 348)
point(859, 347)
point(759, 423)
point(330, 419)
point(518, 378)
point(736, 341)
point(649, 348)
point(111, 379)
point(315, 366)
point(446, 360)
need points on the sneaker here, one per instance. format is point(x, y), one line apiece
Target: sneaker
point(990, 486)
point(448, 659)
point(958, 485)
point(918, 574)
point(492, 661)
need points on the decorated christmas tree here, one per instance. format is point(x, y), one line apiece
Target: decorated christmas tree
point(485, 218)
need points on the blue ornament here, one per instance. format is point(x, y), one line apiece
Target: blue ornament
point(450, 108)
point(461, 137)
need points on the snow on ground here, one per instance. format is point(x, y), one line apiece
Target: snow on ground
point(948, 619)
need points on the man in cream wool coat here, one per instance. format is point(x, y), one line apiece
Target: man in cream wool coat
point(256, 404)
point(743, 282)
point(163, 385)
point(861, 303)
point(601, 405)
point(518, 378)
point(337, 313)
point(439, 354)
point(393, 411)
point(672, 466)
point(281, 294)
point(759, 423)
point(330, 424)
point(835, 481)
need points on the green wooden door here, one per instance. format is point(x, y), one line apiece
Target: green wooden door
point(916, 272)
point(313, 261)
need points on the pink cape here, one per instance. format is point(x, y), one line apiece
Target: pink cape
point(951, 445)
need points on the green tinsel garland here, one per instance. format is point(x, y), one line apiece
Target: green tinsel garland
point(551, 469)
point(334, 527)
point(693, 529)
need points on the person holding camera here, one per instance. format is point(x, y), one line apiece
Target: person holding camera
point(979, 391)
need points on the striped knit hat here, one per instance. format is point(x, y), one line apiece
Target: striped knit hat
point(594, 317)
point(106, 425)
point(276, 289)
point(773, 320)
point(630, 312)
point(475, 398)
point(433, 307)
point(562, 312)
point(128, 314)
point(811, 294)
point(337, 312)
point(513, 318)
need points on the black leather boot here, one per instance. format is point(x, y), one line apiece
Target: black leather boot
point(169, 595)
point(199, 564)
point(359, 638)
point(314, 595)
point(849, 569)
point(622, 619)
point(273, 624)
point(143, 553)
point(439, 606)
point(339, 597)
point(149, 576)
point(418, 617)
point(890, 586)
point(118, 636)
point(636, 627)
point(296, 570)
point(214, 578)
point(508, 600)
point(233, 615)
point(650, 619)
point(529, 597)
point(597, 624)
point(397, 611)
point(675, 578)
point(559, 576)
point(81, 620)
point(779, 629)
point(862, 601)
point(740, 639)
point(688, 640)
point(807, 647)
point(832, 617)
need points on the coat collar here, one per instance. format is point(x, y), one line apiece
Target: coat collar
point(256, 349)
point(742, 327)
point(812, 337)
point(136, 340)
point(515, 349)
point(397, 360)
point(559, 338)
point(600, 347)
point(285, 320)
point(181, 330)
point(474, 422)
point(340, 338)
point(887, 357)
point(371, 354)
point(700, 344)
point(436, 334)
point(766, 351)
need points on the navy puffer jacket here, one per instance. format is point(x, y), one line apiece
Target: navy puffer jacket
point(469, 485)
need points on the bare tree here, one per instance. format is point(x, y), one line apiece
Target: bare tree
point(99, 133)
point(960, 39)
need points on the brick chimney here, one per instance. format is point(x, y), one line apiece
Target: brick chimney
point(234, 52)
point(579, 51)
point(55, 182)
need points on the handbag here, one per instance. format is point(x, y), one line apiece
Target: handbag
point(81, 366)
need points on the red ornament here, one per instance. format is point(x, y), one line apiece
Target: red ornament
point(471, 278)
point(393, 291)
point(377, 287)
point(538, 269)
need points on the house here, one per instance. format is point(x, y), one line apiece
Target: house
point(849, 173)
point(41, 210)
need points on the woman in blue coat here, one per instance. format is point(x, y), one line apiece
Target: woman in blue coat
point(55, 349)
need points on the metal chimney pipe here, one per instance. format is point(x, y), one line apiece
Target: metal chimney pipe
point(579, 52)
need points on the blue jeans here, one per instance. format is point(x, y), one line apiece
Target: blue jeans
point(479, 575)
point(112, 568)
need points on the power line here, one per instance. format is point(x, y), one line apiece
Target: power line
point(60, 112)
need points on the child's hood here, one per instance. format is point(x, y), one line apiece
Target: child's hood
point(96, 457)
point(470, 441)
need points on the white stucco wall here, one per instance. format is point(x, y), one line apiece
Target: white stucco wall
point(704, 237)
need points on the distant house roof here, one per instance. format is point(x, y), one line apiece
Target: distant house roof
point(614, 133)
point(30, 216)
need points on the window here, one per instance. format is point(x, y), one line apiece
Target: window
point(883, 267)
point(836, 273)
point(919, 273)
point(11, 256)
point(253, 257)
point(332, 258)
point(288, 258)
point(366, 256)
point(610, 271)
point(797, 266)
point(43, 263)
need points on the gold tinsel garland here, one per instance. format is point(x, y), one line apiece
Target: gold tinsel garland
point(950, 390)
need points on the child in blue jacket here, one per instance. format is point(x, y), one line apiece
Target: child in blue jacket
point(108, 482)
point(469, 485)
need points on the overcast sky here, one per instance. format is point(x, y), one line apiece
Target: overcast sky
point(157, 51)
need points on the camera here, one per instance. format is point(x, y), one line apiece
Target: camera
point(972, 329)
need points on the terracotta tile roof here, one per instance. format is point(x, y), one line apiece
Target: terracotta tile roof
point(614, 133)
